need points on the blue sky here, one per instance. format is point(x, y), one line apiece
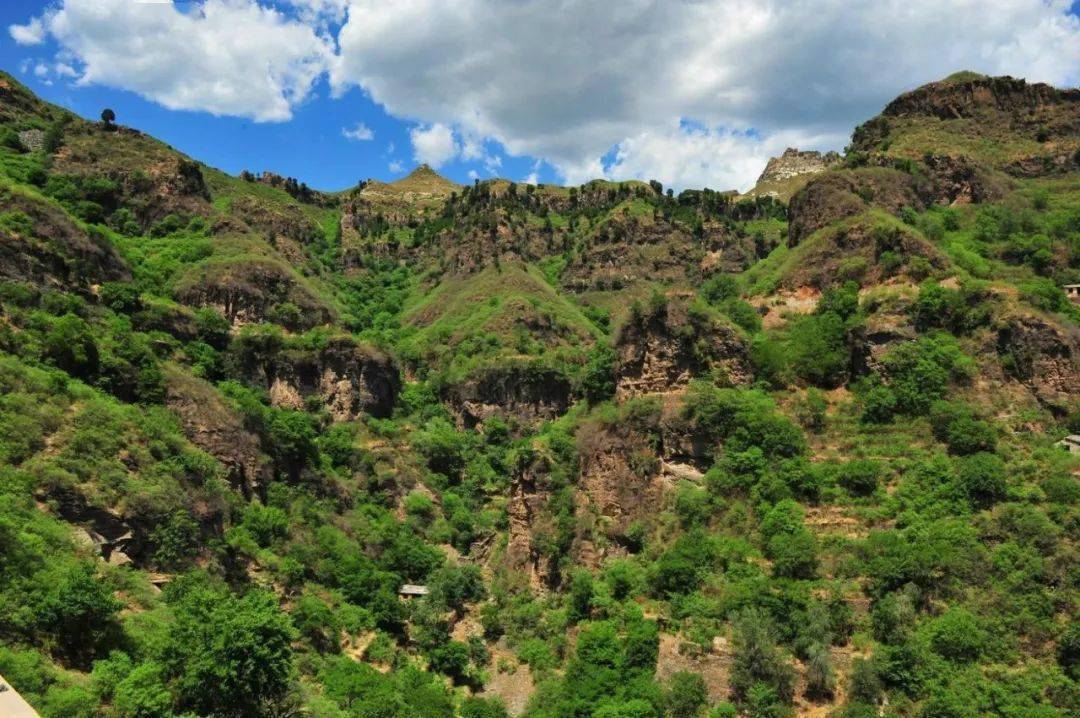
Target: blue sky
point(311, 146)
point(692, 93)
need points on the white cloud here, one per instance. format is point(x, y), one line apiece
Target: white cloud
point(434, 144)
point(320, 12)
point(474, 175)
point(570, 85)
point(65, 70)
point(48, 72)
point(358, 133)
point(534, 176)
point(396, 167)
point(226, 57)
point(32, 33)
point(704, 157)
point(473, 148)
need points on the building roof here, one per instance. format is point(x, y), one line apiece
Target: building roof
point(412, 590)
point(1071, 439)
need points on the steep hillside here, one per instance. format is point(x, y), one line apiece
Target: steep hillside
point(422, 449)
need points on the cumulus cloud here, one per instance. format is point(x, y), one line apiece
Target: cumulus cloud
point(434, 144)
point(320, 12)
point(226, 57)
point(32, 33)
point(570, 85)
point(677, 89)
point(534, 175)
point(688, 156)
point(358, 133)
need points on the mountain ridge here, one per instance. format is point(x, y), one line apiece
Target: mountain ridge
point(644, 453)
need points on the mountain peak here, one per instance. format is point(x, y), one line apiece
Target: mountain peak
point(425, 180)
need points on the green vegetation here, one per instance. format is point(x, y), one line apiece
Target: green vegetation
point(645, 457)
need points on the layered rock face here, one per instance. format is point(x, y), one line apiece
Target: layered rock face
point(663, 350)
point(620, 485)
point(218, 430)
point(519, 393)
point(527, 518)
point(950, 99)
point(795, 162)
point(346, 377)
point(41, 245)
point(1044, 356)
point(1025, 130)
point(838, 195)
point(253, 291)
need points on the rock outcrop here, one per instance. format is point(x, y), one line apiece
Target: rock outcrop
point(217, 429)
point(619, 489)
point(528, 517)
point(1005, 123)
point(39, 244)
point(958, 180)
point(872, 341)
point(663, 348)
point(966, 95)
point(1044, 356)
point(346, 377)
point(866, 249)
point(251, 290)
point(796, 162)
point(520, 392)
point(837, 195)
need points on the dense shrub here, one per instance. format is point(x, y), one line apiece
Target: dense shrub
point(982, 478)
point(859, 477)
point(919, 372)
point(956, 425)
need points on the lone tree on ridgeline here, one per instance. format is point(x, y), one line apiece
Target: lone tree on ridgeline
point(108, 117)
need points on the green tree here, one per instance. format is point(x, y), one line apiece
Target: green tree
point(598, 379)
point(292, 438)
point(1068, 651)
point(143, 694)
point(475, 707)
point(794, 555)
point(71, 346)
point(686, 695)
point(581, 595)
point(229, 656)
point(817, 346)
point(860, 476)
point(957, 635)
point(758, 661)
point(982, 478)
point(75, 609)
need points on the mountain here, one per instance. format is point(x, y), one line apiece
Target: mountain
point(417, 448)
point(783, 176)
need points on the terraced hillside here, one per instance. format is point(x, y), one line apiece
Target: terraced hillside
point(644, 454)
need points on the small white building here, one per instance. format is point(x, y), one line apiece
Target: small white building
point(1072, 291)
point(1071, 443)
point(410, 591)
